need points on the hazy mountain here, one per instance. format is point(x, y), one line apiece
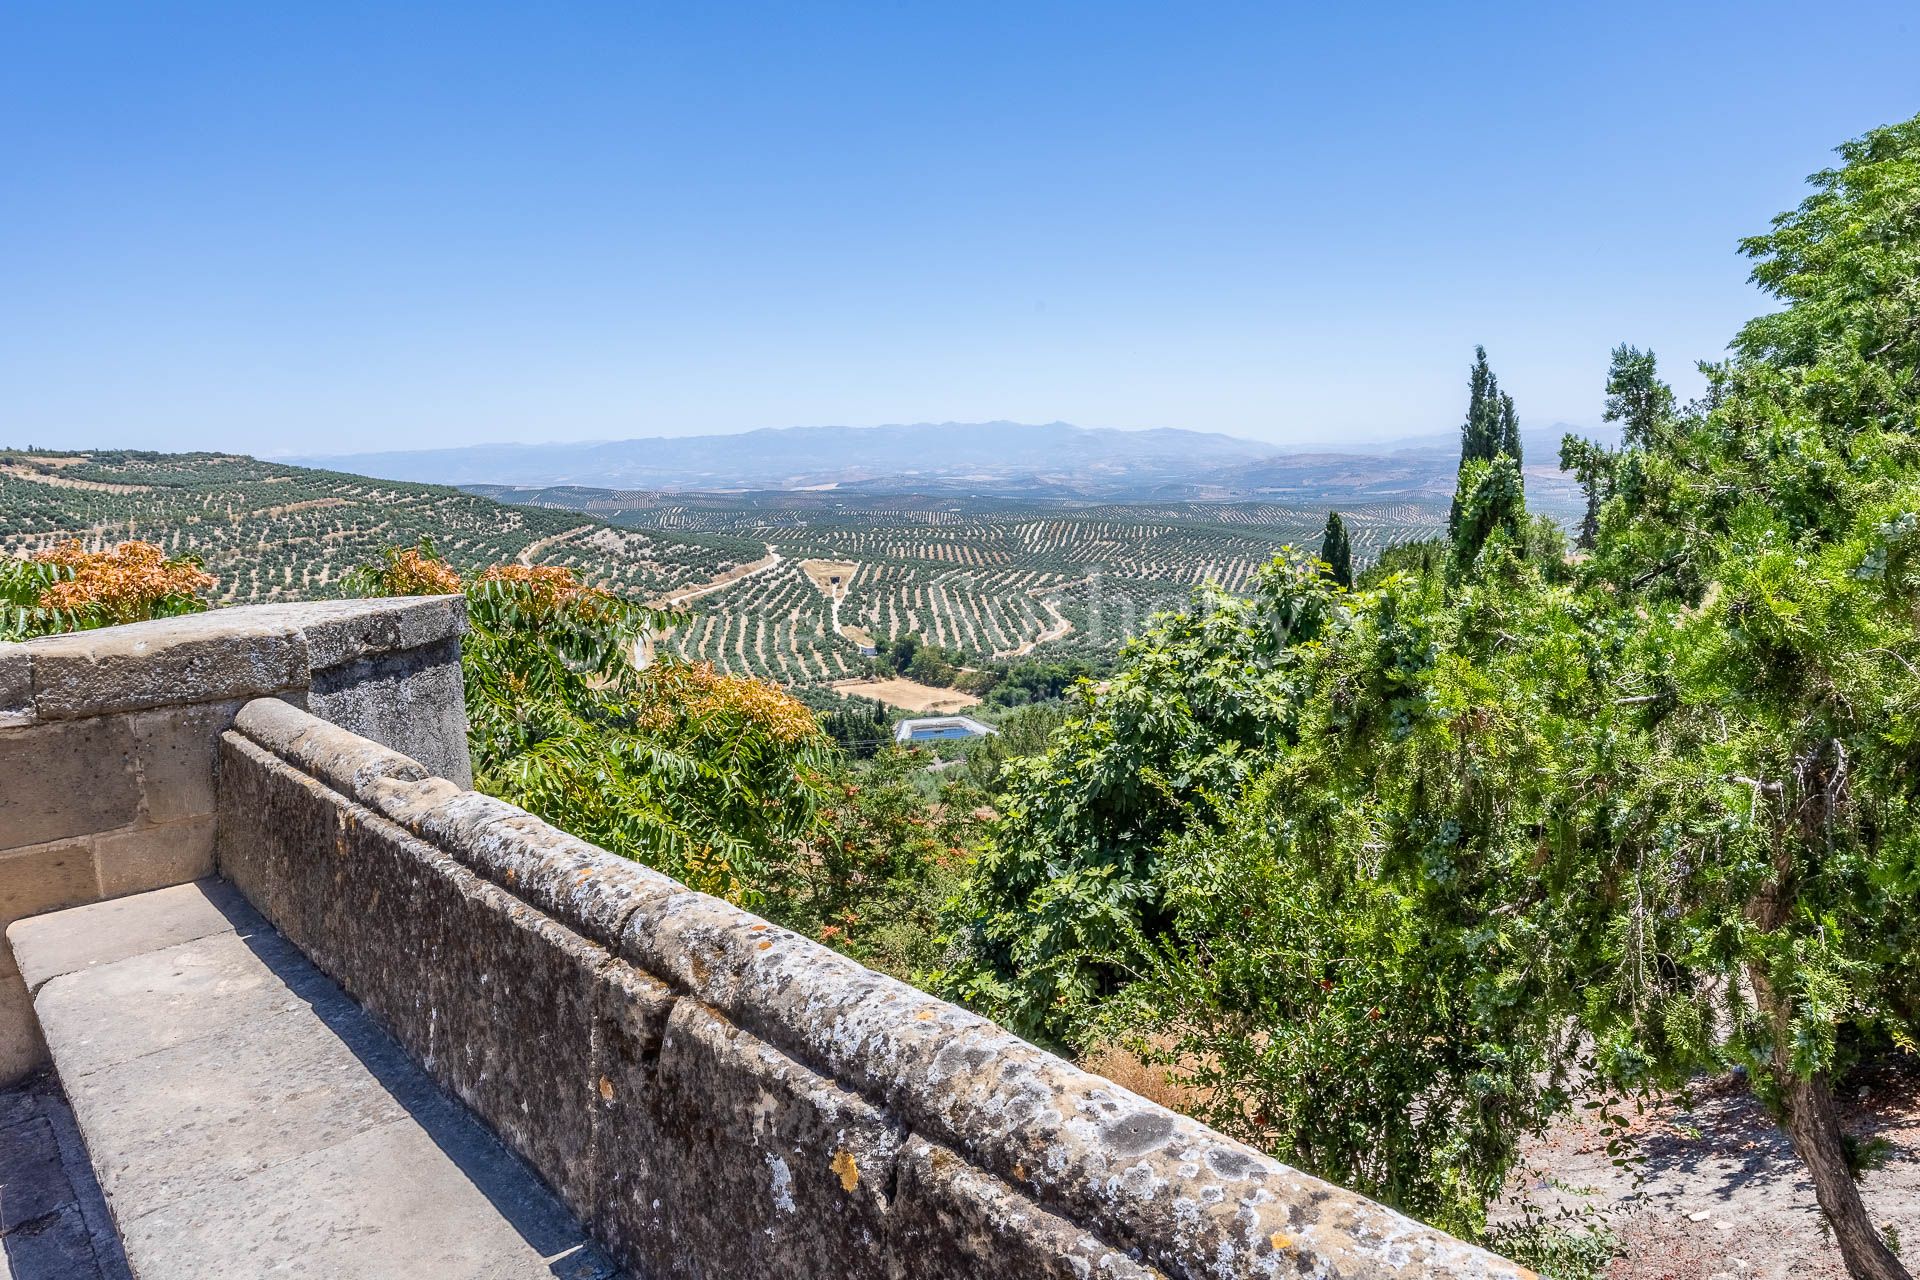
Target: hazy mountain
point(1055, 461)
point(988, 454)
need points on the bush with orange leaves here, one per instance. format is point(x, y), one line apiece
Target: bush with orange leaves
point(416, 573)
point(69, 588)
point(678, 693)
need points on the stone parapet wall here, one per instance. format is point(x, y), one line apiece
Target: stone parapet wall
point(108, 742)
point(714, 1095)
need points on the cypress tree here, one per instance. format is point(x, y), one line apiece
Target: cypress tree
point(1479, 436)
point(1509, 428)
point(1337, 550)
point(1491, 431)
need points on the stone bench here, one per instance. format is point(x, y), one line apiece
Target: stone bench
point(246, 1118)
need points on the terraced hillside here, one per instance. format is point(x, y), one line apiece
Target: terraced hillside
point(789, 586)
point(272, 532)
point(984, 577)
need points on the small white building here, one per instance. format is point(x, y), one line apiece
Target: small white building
point(940, 728)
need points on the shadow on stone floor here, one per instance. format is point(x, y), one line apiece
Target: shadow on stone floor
point(54, 1223)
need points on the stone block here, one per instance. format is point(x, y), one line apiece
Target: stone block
point(210, 657)
point(154, 857)
point(248, 1118)
point(16, 686)
point(779, 1170)
point(305, 1082)
point(33, 1182)
point(60, 1248)
point(46, 877)
point(275, 839)
point(113, 1013)
point(67, 779)
point(342, 631)
point(589, 889)
point(413, 701)
point(174, 753)
point(392, 1203)
point(345, 760)
point(634, 1163)
point(950, 1221)
point(104, 932)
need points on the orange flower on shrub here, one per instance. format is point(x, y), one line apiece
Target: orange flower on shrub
point(121, 585)
point(411, 573)
point(695, 691)
point(553, 588)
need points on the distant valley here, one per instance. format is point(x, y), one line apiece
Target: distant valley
point(1056, 462)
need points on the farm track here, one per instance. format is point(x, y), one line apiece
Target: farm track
point(531, 553)
point(767, 563)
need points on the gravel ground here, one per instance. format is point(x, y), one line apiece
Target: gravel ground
point(1722, 1195)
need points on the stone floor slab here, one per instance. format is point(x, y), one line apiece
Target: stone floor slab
point(103, 932)
point(250, 1120)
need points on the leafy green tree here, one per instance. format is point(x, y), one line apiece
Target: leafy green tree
point(1483, 432)
point(1336, 550)
point(1071, 878)
point(1509, 428)
point(1490, 508)
point(1636, 397)
point(1592, 466)
point(1670, 798)
point(1768, 851)
point(860, 726)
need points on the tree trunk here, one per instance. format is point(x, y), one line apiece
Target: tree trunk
point(1813, 1123)
point(1813, 1126)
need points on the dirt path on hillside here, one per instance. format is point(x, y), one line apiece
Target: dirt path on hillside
point(1060, 628)
point(674, 600)
point(62, 482)
point(1724, 1197)
point(530, 553)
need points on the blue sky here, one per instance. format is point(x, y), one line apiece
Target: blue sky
point(324, 227)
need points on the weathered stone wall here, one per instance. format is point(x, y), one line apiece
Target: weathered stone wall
point(108, 742)
point(715, 1096)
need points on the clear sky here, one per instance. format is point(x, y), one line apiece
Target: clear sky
point(330, 226)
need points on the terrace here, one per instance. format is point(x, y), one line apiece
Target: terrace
point(319, 1008)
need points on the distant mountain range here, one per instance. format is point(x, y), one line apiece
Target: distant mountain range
point(1055, 460)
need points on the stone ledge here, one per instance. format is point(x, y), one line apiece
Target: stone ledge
point(223, 654)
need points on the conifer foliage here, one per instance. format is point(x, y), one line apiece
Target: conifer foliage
point(1489, 493)
point(1336, 550)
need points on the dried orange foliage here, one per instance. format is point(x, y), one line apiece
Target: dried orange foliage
point(552, 588)
point(414, 574)
point(123, 584)
point(695, 691)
